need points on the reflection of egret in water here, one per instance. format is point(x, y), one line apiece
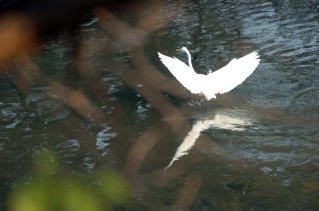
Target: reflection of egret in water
point(218, 82)
point(222, 120)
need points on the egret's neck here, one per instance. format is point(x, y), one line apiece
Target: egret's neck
point(189, 58)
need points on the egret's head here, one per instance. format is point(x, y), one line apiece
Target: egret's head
point(182, 49)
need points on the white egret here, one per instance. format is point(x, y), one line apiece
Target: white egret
point(218, 82)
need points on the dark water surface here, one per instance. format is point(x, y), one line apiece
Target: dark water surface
point(260, 150)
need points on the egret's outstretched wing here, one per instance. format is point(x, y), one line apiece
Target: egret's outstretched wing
point(183, 73)
point(230, 76)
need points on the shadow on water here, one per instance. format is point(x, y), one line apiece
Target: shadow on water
point(113, 107)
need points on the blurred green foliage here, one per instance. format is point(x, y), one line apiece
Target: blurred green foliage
point(51, 188)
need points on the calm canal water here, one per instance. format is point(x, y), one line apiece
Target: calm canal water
point(257, 146)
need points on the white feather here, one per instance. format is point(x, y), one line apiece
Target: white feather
point(218, 82)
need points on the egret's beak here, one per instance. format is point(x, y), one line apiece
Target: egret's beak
point(179, 49)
